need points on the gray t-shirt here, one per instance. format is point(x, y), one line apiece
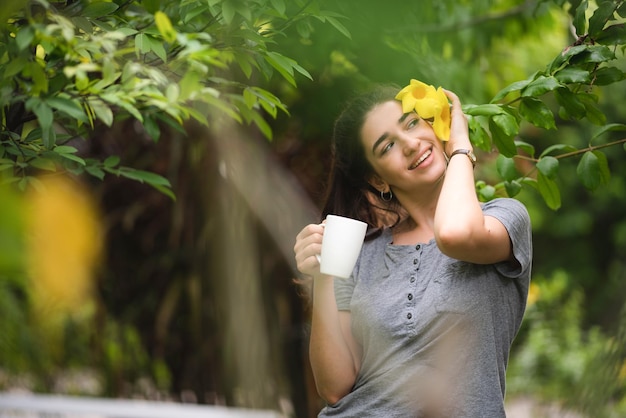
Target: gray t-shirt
point(435, 332)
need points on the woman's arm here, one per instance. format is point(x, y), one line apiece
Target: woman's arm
point(334, 354)
point(462, 230)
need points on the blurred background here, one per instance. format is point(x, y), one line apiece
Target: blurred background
point(110, 288)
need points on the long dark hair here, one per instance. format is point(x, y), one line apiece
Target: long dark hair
point(348, 192)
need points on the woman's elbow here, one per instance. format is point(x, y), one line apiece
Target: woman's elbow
point(331, 396)
point(451, 239)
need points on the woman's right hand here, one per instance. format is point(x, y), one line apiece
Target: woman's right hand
point(308, 247)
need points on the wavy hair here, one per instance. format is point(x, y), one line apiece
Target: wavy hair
point(348, 191)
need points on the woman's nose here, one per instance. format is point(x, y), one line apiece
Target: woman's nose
point(410, 144)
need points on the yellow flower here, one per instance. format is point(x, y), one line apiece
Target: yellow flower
point(64, 246)
point(429, 103)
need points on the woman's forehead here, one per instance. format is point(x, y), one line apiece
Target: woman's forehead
point(381, 118)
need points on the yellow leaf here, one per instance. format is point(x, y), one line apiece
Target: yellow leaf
point(164, 25)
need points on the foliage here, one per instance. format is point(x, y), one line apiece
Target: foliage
point(559, 359)
point(69, 68)
point(569, 83)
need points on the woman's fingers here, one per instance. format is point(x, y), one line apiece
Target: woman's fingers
point(307, 247)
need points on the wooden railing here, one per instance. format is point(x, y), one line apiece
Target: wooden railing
point(33, 406)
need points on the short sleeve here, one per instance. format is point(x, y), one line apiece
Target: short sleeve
point(515, 218)
point(343, 292)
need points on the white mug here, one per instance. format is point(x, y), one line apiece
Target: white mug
point(341, 245)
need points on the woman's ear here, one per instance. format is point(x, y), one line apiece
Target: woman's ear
point(379, 184)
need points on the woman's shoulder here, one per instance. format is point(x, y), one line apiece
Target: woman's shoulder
point(506, 203)
point(509, 211)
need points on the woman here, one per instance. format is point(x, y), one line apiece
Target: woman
point(424, 325)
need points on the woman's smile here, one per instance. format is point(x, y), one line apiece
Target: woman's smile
point(421, 159)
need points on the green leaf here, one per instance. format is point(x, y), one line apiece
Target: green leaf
point(573, 107)
point(518, 85)
point(478, 135)
point(157, 47)
point(506, 168)
point(102, 111)
point(339, 26)
point(608, 75)
point(549, 191)
point(228, 11)
point(245, 63)
point(249, 98)
point(526, 147)
point(279, 6)
point(43, 164)
point(14, 66)
point(70, 107)
point(73, 157)
point(283, 65)
point(609, 128)
point(540, 86)
point(593, 112)
point(537, 113)
point(24, 37)
point(487, 193)
point(501, 127)
point(142, 44)
point(144, 176)
point(83, 24)
point(600, 17)
point(151, 5)
point(262, 124)
point(43, 112)
point(512, 188)
point(152, 128)
point(564, 58)
point(199, 116)
point(572, 75)
point(97, 172)
point(111, 161)
point(548, 166)
point(489, 109)
point(557, 147)
point(38, 76)
point(613, 35)
point(597, 54)
point(580, 19)
point(593, 170)
point(99, 9)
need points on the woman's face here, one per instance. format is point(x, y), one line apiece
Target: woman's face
point(402, 148)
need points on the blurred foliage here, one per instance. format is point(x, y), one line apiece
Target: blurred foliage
point(580, 367)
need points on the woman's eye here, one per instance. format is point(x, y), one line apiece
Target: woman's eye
point(386, 148)
point(412, 123)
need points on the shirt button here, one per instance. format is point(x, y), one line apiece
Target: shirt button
point(409, 316)
point(410, 296)
point(415, 261)
point(412, 279)
point(417, 247)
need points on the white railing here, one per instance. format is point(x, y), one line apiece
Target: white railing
point(35, 406)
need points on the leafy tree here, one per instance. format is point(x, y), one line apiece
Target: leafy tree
point(70, 68)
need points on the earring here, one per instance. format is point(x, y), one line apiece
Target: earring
point(385, 197)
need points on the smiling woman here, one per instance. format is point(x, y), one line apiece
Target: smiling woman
point(413, 330)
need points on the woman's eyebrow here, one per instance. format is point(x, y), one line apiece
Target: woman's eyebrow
point(385, 135)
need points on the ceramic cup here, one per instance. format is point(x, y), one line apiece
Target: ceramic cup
point(341, 245)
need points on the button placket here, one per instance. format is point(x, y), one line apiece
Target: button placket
point(410, 299)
